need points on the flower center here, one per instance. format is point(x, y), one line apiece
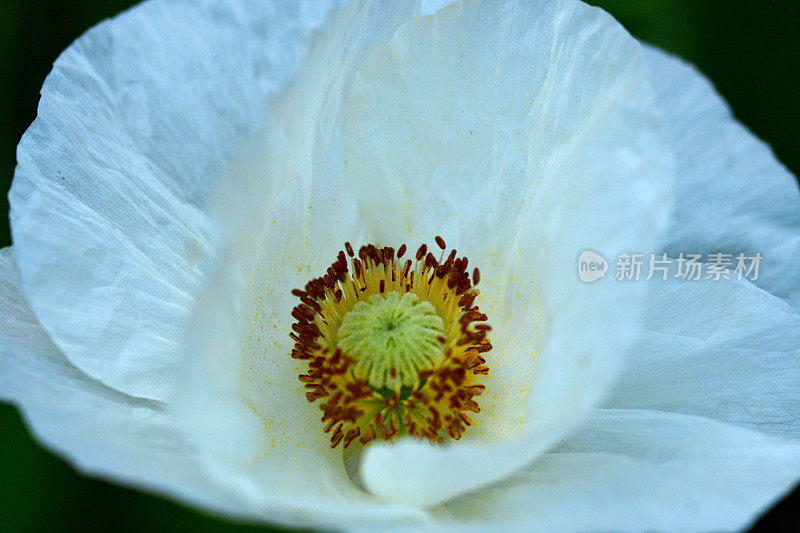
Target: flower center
point(393, 346)
point(393, 338)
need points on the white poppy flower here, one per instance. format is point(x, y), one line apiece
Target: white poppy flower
point(193, 163)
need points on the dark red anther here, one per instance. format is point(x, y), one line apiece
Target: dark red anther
point(467, 299)
point(430, 261)
point(311, 303)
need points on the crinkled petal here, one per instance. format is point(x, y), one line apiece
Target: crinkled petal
point(723, 349)
point(638, 470)
point(523, 133)
point(109, 205)
point(99, 430)
point(241, 400)
point(732, 194)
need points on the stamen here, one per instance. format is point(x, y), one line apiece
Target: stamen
point(392, 348)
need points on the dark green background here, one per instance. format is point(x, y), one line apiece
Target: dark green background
point(749, 49)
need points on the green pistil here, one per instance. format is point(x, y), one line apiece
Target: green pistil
point(392, 339)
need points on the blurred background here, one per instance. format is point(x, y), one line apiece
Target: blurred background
point(748, 49)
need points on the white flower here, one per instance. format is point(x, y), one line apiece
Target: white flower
point(192, 163)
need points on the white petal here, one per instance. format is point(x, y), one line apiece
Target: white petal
point(241, 399)
point(523, 133)
point(428, 7)
point(721, 349)
point(635, 470)
point(732, 194)
point(137, 122)
point(99, 430)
